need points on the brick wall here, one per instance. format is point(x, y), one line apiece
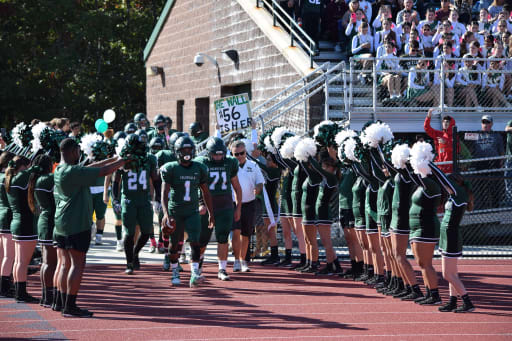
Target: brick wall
point(210, 27)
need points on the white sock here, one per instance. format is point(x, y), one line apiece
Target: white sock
point(222, 264)
point(244, 263)
point(195, 267)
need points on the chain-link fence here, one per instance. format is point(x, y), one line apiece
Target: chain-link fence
point(456, 85)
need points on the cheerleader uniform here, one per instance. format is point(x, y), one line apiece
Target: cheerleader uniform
point(272, 180)
point(5, 209)
point(359, 198)
point(370, 208)
point(310, 188)
point(43, 194)
point(23, 227)
point(299, 175)
point(346, 214)
point(327, 191)
point(285, 193)
point(423, 212)
point(417, 83)
point(401, 202)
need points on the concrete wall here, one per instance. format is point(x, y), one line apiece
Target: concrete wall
point(211, 26)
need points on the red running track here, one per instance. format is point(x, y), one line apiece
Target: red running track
point(266, 304)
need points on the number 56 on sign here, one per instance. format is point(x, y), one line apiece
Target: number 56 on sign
point(233, 113)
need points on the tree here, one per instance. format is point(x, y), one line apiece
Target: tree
point(73, 58)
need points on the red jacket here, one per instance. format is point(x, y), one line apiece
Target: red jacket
point(444, 150)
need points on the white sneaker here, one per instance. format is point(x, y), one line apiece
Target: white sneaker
point(175, 277)
point(245, 267)
point(119, 246)
point(223, 275)
point(98, 239)
point(93, 231)
point(236, 266)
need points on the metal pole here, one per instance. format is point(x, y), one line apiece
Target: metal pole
point(441, 101)
point(257, 3)
point(292, 31)
point(351, 84)
point(326, 90)
point(455, 147)
point(274, 12)
point(305, 113)
point(374, 90)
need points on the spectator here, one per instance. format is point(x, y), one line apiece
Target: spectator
point(450, 75)
point(333, 14)
point(356, 19)
point(386, 30)
point(430, 20)
point(362, 45)
point(403, 32)
point(353, 6)
point(483, 24)
point(468, 82)
point(488, 46)
point(489, 144)
point(466, 40)
point(464, 8)
point(389, 70)
point(445, 32)
point(443, 140)
point(481, 4)
point(367, 9)
point(493, 83)
point(457, 28)
point(496, 7)
point(508, 162)
point(75, 130)
point(383, 15)
point(251, 180)
point(310, 14)
point(443, 13)
point(504, 15)
point(475, 30)
point(426, 40)
point(415, 17)
point(419, 85)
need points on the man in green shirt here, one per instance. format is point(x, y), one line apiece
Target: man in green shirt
point(180, 204)
point(73, 218)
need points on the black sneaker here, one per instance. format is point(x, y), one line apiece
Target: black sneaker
point(431, 301)
point(129, 269)
point(136, 262)
point(371, 281)
point(271, 260)
point(26, 298)
point(326, 270)
point(300, 268)
point(76, 312)
point(347, 274)
point(397, 293)
point(448, 307)
point(466, 307)
point(297, 265)
point(313, 268)
point(285, 263)
point(413, 296)
point(362, 278)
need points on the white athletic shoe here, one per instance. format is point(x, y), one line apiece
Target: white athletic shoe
point(98, 239)
point(175, 277)
point(93, 231)
point(236, 266)
point(223, 275)
point(119, 246)
point(245, 267)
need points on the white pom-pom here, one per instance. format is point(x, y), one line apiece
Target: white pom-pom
point(16, 131)
point(400, 155)
point(304, 149)
point(86, 143)
point(278, 134)
point(323, 123)
point(378, 133)
point(421, 155)
point(268, 145)
point(343, 135)
point(120, 145)
point(249, 146)
point(289, 145)
point(36, 132)
point(350, 147)
point(364, 139)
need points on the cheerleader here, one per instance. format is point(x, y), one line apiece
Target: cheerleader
point(299, 176)
point(493, 83)
point(457, 27)
point(40, 191)
point(310, 189)
point(424, 224)
point(468, 81)
point(24, 232)
point(484, 26)
point(7, 244)
point(450, 242)
point(400, 227)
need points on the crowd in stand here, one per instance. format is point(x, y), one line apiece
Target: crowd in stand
point(396, 29)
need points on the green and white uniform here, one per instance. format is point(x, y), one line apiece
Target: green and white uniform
point(384, 201)
point(327, 191)
point(5, 209)
point(299, 175)
point(310, 188)
point(423, 212)
point(219, 184)
point(184, 197)
point(23, 224)
point(162, 157)
point(43, 194)
point(401, 203)
point(136, 198)
point(370, 208)
point(73, 200)
point(272, 180)
point(450, 241)
point(98, 204)
point(359, 198)
point(346, 215)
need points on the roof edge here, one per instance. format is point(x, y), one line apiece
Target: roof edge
point(158, 27)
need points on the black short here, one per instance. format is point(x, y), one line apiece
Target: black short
point(347, 220)
point(79, 241)
point(246, 222)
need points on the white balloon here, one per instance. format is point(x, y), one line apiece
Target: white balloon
point(109, 115)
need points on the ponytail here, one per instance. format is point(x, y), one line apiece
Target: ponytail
point(42, 165)
point(457, 177)
point(5, 157)
point(13, 167)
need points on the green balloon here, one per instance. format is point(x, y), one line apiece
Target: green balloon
point(102, 126)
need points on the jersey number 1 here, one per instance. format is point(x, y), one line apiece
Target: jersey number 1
point(187, 191)
point(132, 180)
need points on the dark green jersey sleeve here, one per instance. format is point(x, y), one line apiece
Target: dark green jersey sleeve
point(165, 156)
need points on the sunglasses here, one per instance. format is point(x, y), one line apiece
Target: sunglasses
point(240, 154)
point(486, 122)
point(414, 50)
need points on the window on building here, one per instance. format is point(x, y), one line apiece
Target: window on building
point(179, 115)
point(203, 112)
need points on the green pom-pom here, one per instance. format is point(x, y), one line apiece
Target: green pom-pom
point(136, 151)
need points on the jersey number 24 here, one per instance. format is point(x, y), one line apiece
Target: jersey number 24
point(134, 179)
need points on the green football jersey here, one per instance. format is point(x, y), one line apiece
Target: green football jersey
point(43, 194)
point(220, 174)
point(73, 198)
point(199, 138)
point(154, 133)
point(135, 183)
point(164, 156)
point(184, 181)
